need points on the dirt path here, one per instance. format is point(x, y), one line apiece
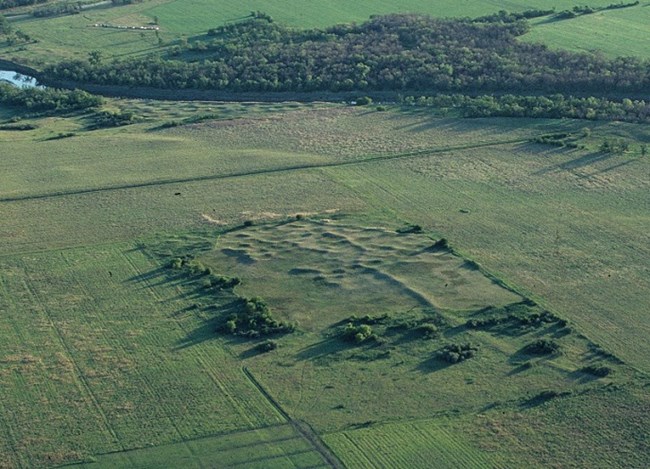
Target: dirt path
point(301, 427)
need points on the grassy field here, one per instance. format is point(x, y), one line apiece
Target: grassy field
point(318, 15)
point(92, 319)
point(92, 348)
point(614, 32)
point(412, 444)
point(274, 447)
point(315, 273)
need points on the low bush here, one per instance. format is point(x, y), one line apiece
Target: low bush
point(455, 353)
point(357, 333)
point(427, 330)
point(266, 346)
point(542, 347)
point(254, 319)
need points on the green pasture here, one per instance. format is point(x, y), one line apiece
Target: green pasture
point(624, 32)
point(308, 272)
point(272, 447)
point(93, 349)
point(339, 270)
point(409, 444)
point(100, 343)
point(193, 17)
point(603, 428)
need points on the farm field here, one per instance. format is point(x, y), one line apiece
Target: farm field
point(304, 204)
point(613, 32)
point(96, 354)
point(338, 11)
point(359, 282)
point(272, 447)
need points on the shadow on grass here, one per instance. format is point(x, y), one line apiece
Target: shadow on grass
point(432, 365)
point(145, 276)
point(250, 353)
point(209, 329)
point(577, 163)
point(542, 398)
point(521, 368)
point(322, 349)
point(582, 377)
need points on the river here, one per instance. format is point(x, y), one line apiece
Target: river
point(17, 79)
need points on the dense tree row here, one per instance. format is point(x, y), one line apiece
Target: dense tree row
point(7, 4)
point(48, 99)
point(58, 9)
point(580, 10)
point(553, 106)
point(396, 52)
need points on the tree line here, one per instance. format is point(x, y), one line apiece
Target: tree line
point(394, 53)
point(47, 99)
point(551, 106)
point(7, 4)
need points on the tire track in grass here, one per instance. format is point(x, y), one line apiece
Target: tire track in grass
point(81, 379)
point(298, 167)
point(302, 428)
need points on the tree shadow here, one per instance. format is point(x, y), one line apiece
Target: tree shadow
point(321, 349)
point(580, 162)
point(520, 368)
point(542, 398)
point(582, 377)
point(151, 274)
point(209, 329)
point(431, 365)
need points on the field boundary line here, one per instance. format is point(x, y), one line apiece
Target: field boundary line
point(8, 255)
point(189, 440)
point(302, 428)
point(256, 172)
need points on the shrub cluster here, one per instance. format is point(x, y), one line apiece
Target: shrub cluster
point(542, 347)
point(105, 119)
point(615, 146)
point(266, 346)
point(196, 268)
point(357, 333)
point(552, 106)
point(47, 99)
point(408, 229)
point(442, 245)
point(254, 319)
point(454, 353)
point(518, 314)
point(7, 4)
point(427, 330)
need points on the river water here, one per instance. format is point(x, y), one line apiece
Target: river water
point(17, 79)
